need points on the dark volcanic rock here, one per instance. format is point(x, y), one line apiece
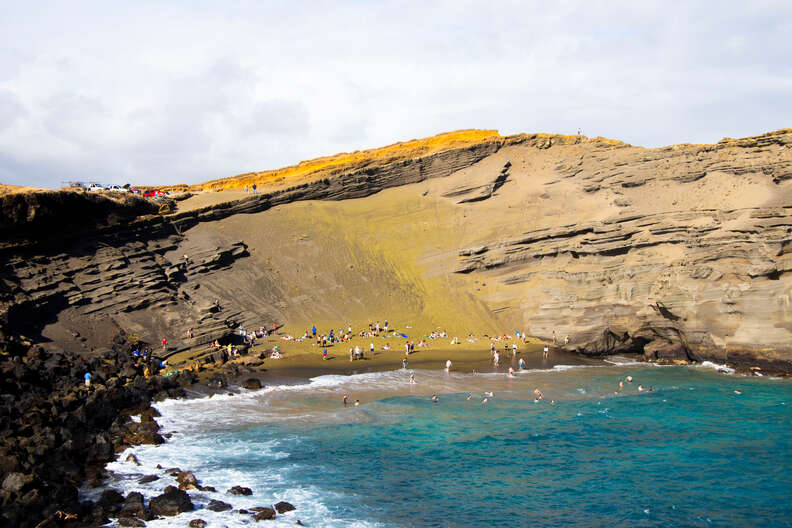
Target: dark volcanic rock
point(134, 507)
point(131, 522)
point(148, 478)
point(283, 507)
point(197, 523)
point(264, 514)
point(218, 506)
point(172, 502)
point(252, 384)
point(239, 490)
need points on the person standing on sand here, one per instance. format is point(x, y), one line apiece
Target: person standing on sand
point(522, 364)
point(448, 365)
point(254, 189)
point(404, 363)
point(545, 352)
point(407, 348)
point(496, 358)
point(313, 331)
point(344, 399)
point(371, 349)
point(324, 353)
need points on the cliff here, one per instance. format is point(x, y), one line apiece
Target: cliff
point(677, 252)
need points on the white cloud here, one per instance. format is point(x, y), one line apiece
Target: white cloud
point(151, 92)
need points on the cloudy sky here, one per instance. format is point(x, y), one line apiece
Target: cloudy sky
point(153, 92)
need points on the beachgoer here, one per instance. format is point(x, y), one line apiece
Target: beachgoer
point(735, 392)
point(522, 363)
point(435, 399)
point(371, 348)
point(254, 189)
point(621, 385)
point(469, 396)
point(496, 359)
point(404, 363)
point(514, 349)
point(640, 388)
point(344, 399)
point(407, 348)
point(324, 353)
point(554, 337)
point(313, 330)
point(448, 365)
point(357, 403)
point(566, 339)
point(545, 352)
point(412, 378)
point(351, 354)
point(190, 333)
point(511, 372)
point(537, 394)
point(386, 327)
point(485, 400)
point(629, 379)
point(164, 344)
point(87, 380)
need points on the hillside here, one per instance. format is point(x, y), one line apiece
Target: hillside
point(677, 252)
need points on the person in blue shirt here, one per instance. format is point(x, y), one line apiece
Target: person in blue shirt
point(88, 380)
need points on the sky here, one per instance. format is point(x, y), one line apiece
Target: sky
point(154, 92)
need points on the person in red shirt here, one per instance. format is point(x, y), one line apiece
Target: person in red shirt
point(164, 343)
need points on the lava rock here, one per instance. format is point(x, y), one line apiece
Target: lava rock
point(131, 521)
point(264, 514)
point(239, 490)
point(134, 507)
point(218, 506)
point(252, 384)
point(147, 479)
point(172, 502)
point(197, 523)
point(283, 507)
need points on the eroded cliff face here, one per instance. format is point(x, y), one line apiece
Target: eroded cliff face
point(680, 252)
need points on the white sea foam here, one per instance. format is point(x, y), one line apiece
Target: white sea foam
point(720, 368)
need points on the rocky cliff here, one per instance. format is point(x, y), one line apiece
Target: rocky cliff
point(678, 252)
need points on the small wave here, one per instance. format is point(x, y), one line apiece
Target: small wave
point(720, 368)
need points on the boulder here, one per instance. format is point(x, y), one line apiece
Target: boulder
point(240, 490)
point(197, 523)
point(264, 514)
point(134, 507)
point(18, 483)
point(110, 501)
point(148, 478)
point(218, 506)
point(252, 384)
point(283, 507)
point(172, 502)
point(131, 521)
point(187, 480)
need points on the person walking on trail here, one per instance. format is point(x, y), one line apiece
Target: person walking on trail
point(87, 380)
point(254, 189)
point(164, 344)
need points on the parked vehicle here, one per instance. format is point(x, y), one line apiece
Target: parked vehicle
point(96, 187)
point(115, 188)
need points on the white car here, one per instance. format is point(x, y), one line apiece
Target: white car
point(115, 188)
point(96, 187)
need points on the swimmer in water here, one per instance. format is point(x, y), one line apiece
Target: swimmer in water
point(344, 399)
point(489, 394)
point(737, 392)
point(357, 403)
point(629, 379)
point(485, 400)
point(412, 377)
point(621, 385)
point(469, 397)
point(435, 399)
point(511, 372)
point(640, 388)
point(552, 402)
point(537, 394)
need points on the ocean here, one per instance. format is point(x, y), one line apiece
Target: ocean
point(686, 451)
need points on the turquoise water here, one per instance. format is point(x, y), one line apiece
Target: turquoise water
point(689, 453)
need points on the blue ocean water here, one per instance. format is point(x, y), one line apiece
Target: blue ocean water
point(690, 452)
